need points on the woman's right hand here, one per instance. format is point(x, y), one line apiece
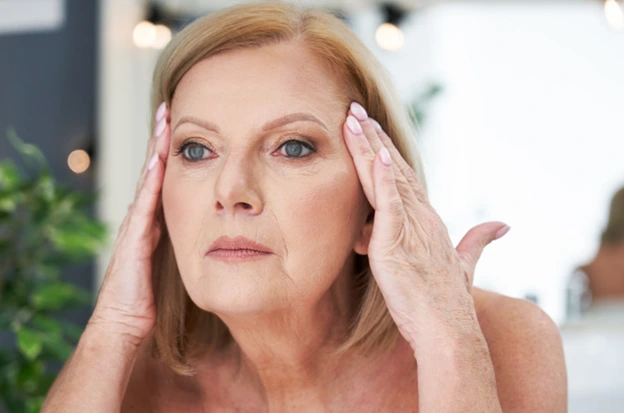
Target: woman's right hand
point(125, 303)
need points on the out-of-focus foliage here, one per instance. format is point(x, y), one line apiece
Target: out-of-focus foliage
point(43, 228)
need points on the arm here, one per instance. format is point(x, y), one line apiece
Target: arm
point(455, 371)
point(513, 356)
point(95, 377)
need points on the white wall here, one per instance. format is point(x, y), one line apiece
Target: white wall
point(527, 131)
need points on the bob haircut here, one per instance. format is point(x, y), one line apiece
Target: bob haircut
point(183, 331)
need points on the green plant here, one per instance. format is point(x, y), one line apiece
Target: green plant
point(43, 228)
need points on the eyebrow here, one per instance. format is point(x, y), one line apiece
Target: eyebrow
point(276, 123)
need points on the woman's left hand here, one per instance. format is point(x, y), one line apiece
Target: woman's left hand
point(425, 281)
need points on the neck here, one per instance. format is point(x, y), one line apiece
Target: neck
point(289, 351)
point(280, 355)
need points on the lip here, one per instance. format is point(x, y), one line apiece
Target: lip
point(237, 243)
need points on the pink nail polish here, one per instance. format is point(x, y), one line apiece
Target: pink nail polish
point(502, 232)
point(385, 157)
point(152, 162)
point(160, 127)
point(353, 125)
point(161, 111)
point(358, 111)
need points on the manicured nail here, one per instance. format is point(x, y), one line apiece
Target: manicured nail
point(385, 157)
point(502, 232)
point(161, 111)
point(152, 162)
point(160, 127)
point(358, 111)
point(376, 125)
point(353, 125)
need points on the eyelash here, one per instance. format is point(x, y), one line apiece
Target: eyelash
point(185, 145)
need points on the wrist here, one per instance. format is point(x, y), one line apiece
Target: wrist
point(101, 336)
point(454, 346)
point(447, 337)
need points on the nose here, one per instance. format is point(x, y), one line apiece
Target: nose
point(236, 188)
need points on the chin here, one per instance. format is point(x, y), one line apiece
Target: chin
point(236, 298)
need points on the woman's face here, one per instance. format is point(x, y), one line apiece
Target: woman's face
point(239, 178)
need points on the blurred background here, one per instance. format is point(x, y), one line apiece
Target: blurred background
point(520, 106)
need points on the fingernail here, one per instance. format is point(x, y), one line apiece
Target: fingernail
point(376, 125)
point(152, 162)
point(502, 232)
point(160, 127)
point(353, 125)
point(161, 111)
point(358, 111)
point(385, 157)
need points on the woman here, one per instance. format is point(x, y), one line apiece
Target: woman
point(296, 262)
point(596, 289)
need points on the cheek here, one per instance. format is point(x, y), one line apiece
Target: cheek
point(321, 221)
point(184, 214)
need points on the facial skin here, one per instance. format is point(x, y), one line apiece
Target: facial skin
point(286, 309)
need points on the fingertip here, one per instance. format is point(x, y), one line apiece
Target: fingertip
point(501, 232)
point(385, 157)
point(152, 162)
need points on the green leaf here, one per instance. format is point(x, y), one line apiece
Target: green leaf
point(29, 375)
point(9, 201)
point(59, 295)
point(34, 405)
point(57, 346)
point(47, 325)
point(29, 152)
point(81, 237)
point(9, 175)
point(71, 330)
point(29, 343)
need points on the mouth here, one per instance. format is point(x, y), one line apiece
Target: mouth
point(237, 254)
point(238, 245)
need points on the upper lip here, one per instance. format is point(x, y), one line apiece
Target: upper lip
point(237, 243)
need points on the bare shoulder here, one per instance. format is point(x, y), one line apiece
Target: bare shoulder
point(527, 353)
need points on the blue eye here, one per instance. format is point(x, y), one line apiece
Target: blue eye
point(294, 148)
point(193, 152)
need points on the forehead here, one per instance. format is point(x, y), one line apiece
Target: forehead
point(271, 80)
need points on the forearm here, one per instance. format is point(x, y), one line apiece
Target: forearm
point(95, 377)
point(456, 375)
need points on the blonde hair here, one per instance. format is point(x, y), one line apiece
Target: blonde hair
point(183, 330)
point(614, 232)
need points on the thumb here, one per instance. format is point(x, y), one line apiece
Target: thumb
point(475, 240)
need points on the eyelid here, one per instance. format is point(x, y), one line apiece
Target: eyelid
point(304, 141)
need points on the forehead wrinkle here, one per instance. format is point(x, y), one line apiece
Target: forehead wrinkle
point(273, 124)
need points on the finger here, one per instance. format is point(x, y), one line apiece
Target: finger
point(362, 154)
point(474, 242)
point(156, 144)
point(160, 118)
point(141, 222)
point(371, 133)
point(389, 211)
point(163, 143)
point(402, 165)
point(406, 178)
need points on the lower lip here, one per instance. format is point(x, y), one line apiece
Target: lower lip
point(237, 255)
